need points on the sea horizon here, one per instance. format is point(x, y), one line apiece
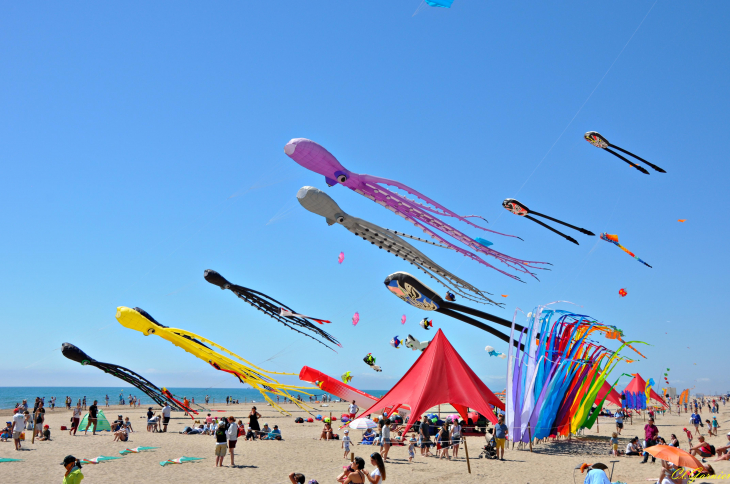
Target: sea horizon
point(10, 396)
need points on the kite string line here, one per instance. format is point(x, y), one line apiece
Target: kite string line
point(586, 101)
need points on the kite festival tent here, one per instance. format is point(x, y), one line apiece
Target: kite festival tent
point(439, 376)
point(101, 422)
point(613, 396)
point(635, 393)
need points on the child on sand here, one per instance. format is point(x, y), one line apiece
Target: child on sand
point(614, 444)
point(412, 448)
point(346, 443)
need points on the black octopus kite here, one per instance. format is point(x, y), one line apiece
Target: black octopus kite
point(599, 141)
point(73, 353)
point(521, 210)
point(273, 308)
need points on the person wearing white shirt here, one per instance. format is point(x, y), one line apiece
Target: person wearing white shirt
point(165, 417)
point(18, 424)
point(232, 435)
point(353, 409)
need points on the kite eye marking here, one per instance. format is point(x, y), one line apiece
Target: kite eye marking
point(340, 219)
point(341, 177)
point(84, 362)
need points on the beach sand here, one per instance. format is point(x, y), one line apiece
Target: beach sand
point(301, 451)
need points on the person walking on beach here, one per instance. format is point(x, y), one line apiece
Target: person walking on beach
point(75, 419)
point(93, 410)
point(696, 421)
point(619, 416)
point(18, 426)
point(39, 416)
point(346, 443)
point(232, 434)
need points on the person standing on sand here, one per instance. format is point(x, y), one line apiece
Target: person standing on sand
point(93, 410)
point(18, 425)
point(651, 432)
point(232, 434)
point(425, 433)
point(619, 416)
point(353, 409)
point(165, 416)
point(500, 436)
point(75, 419)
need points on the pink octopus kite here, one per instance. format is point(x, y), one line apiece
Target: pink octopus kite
point(423, 215)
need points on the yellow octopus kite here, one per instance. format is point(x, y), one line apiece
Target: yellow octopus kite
point(139, 320)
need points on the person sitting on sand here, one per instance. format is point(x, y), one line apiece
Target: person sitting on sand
point(121, 435)
point(265, 430)
point(633, 447)
point(326, 431)
point(377, 475)
point(354, 473)
point(671, 474)
point(674, 441)
point(274, 434)
point(7, 432)
point(297, 478)
point(46, 434)
point(702, 448)
point(723, 453)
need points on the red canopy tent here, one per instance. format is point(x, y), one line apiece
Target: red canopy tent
point(638, 385)
point(439, 376)
point(613, 396)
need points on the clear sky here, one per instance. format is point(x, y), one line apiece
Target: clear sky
point(143, 143)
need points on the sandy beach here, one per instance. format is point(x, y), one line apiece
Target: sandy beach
point(301, 451)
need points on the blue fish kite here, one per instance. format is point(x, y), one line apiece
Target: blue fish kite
point(395, 342)
point(492, 352)
point(439, 3)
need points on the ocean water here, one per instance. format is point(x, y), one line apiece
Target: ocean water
point(9, 396)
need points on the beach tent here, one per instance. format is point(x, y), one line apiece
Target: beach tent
point(101, 422)
point(440, 376)
point(635, 393)
point(613, 396)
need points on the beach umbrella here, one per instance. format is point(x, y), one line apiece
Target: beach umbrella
point(362, 424)
point(674, 455)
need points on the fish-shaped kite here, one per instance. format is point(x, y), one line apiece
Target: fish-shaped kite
point(370, 361)
point(341, 257)
point(355, 318)
point(492, 352)
point(450, 296)
point(426, 324)
point(180, 460)
point(395, 342)
point(98, 460)
point(414, 344)
point(136, 450)
point(614, 240)
point(521, 210)
point(346, 377)
point(599, 141)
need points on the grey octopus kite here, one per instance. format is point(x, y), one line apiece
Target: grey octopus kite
point(316, 201)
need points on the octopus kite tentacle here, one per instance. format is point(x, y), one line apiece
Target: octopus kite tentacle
point(74, 353)
point(316, 158)
point(272, 308)
point(316, 201)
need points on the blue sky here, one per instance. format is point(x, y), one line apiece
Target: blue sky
point(143, 144)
